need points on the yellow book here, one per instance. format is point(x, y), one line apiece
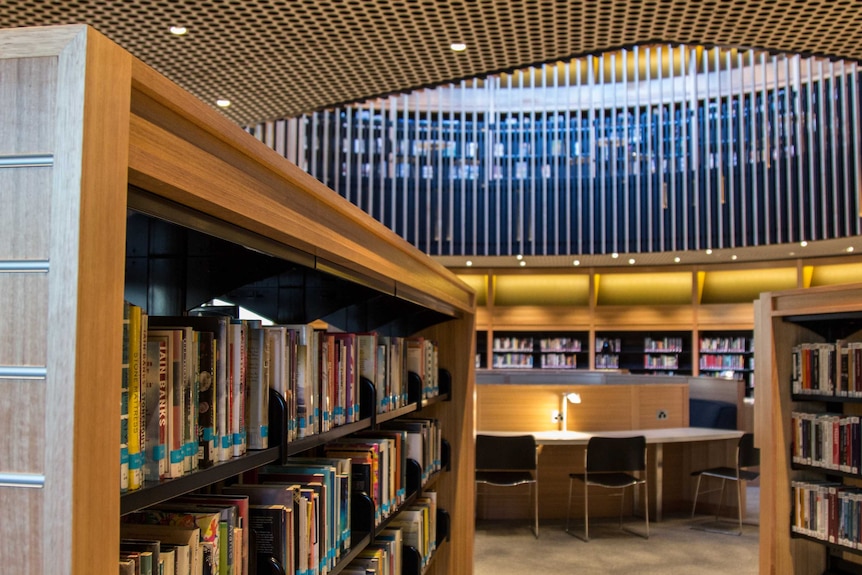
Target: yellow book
point(136, 456)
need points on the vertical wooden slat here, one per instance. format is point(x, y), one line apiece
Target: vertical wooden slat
point(626, 146)
point(612, 139)
point(650, 167)
point(639, 158)
point(775, 155)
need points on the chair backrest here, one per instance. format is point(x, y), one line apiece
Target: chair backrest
point(499, 453)
point(616, 454)
point(747, 455)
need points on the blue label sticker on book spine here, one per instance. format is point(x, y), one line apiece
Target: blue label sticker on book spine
point(159, 452)
point(177, 456)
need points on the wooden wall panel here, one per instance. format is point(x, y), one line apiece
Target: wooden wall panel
point(24, 195)
point(651, 402)
point(513, 407)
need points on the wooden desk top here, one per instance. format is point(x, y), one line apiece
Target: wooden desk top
point(667, 435)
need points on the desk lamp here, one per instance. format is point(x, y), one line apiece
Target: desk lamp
point(567, 399)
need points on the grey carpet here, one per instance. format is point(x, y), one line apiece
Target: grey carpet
point(509, 548)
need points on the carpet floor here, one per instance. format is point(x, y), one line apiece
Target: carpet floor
point(673, 548)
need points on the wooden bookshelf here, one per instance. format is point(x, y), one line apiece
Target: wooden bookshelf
point(782, 321)
point(91, 136)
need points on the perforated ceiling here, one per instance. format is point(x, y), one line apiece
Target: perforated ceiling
point(280, 58)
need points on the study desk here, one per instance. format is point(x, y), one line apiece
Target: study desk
point(655, 437)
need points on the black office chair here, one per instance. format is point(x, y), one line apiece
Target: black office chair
point(612, 463)
point(747, 456)
point(508, 461)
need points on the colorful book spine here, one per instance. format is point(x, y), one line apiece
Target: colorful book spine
point(124, 403)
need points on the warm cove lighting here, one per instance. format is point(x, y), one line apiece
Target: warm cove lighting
point(223, 103)
point(179, 30)
point(458, 46)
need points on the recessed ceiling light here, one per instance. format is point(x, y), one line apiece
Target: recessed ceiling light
point(631, 260)
point(458, 46)
point(179, 30)
point(519, 257)
point(222, 103)
point(615, 255)
point(469, 263)
point(576, 262)
point(523, 263)
point(708, 252)
point(677, 259)
point(850, 249)
point(733, 257)
point(803, 243)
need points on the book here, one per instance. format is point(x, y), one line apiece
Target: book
point(207, 399)
point(183, 538)
point(289, 496)
point(149, 553)
point(213, 440)
point(305, 374)
point(236, 365)
point(124, 403)
point(257, 389)
point(206, 521)
point(240, 521)
point(156, 410)
point(136, 456)
point(271, 538)
point(175, 399)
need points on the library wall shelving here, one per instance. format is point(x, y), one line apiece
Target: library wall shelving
point(98, 149)
point(784, 321)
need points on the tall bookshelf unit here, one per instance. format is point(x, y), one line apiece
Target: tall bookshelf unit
point(784, 320)
point(98, 148)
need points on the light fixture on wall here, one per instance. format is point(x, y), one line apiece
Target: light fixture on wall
point(567, 398)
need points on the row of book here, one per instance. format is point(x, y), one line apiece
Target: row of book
point(827, 369)
point(195, 389)
point(827, 440)
point(726, 344)
point(297, 514)
point(722, 362)
point(828, 511)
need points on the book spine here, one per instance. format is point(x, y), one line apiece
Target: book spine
point(235, 388)
point(257, 404)
point(124, 403)
point(206, 399)
point(135, 455)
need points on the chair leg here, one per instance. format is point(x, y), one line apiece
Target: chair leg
point(535, 488)
point(720, 500)
point(739, 503)
point(586, 512)
point(646, 507)
point(696, 492)
point(569, 506)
